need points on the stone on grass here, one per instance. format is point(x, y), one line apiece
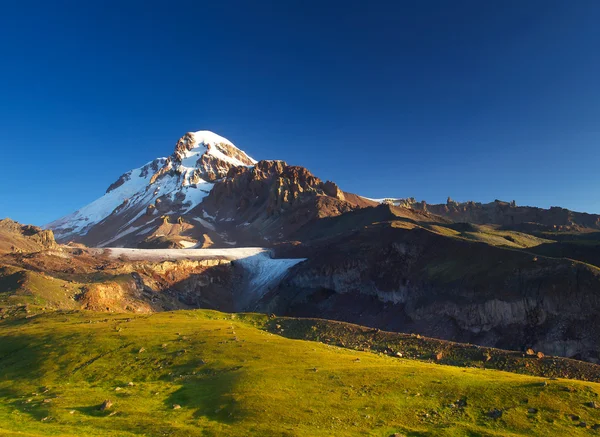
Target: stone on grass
point(106, 405)
point(494, 413)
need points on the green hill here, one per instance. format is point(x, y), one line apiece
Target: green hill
point(204, 373)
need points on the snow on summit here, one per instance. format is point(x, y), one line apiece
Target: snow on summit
point(172, 185)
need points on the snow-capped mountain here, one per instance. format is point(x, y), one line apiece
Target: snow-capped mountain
point(165, 202)
point(172, 185)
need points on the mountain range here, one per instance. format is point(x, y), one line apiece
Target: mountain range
point(494, 274)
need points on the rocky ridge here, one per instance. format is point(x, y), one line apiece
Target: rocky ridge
point(15, 237)
point(507, 214)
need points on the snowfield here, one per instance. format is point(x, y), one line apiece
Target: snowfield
point(204, 138)
point(262, 272)
point(79, 221)
point(175, 254)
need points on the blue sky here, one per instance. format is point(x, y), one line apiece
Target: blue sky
point(469, 99)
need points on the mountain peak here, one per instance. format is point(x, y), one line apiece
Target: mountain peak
point(194, 145)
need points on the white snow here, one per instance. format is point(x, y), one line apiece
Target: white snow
point(264, 274)
point(207, 215)
point(77, 222)
point(120, 235)
point(194, 194)
point(208, 137)
point(187, 244)
point(158, 254)
point(263, 271)
point(375, 200)
point(138, 192)
point(203, 139)
point(190, 159)
point(393, 200)
point(204, 223)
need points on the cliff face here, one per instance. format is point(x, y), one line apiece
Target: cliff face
point(15, 237)
point(269, 201)
point(418, 281)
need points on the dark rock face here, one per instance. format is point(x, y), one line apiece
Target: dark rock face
point(148, 168)
point(275, 184)
point(122, 179)
point(417, 281)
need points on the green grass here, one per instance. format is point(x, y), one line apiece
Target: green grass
point(231, 377)
point(32, 291)
point(512, 239)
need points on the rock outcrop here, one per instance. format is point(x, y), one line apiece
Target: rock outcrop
point(15, 237)
point(271, 200)
point(509, 215)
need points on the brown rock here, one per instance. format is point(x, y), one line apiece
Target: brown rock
point(106, 405)
point(494, 413)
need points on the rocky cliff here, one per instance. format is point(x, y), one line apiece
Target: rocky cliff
point(15, 237)
point(405, 277)
point(268, 202)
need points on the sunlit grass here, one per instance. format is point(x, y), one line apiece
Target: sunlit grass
point(231, 378)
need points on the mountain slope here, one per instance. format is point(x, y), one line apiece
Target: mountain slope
point(205, 194)
point(444, 280)
point(166, 185)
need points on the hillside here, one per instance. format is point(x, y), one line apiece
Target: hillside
point(192, 373)
point(388, 267)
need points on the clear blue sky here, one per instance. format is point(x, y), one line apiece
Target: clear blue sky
point(475, 100)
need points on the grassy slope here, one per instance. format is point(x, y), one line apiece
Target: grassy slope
point(232, 378)
point(25, 288)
